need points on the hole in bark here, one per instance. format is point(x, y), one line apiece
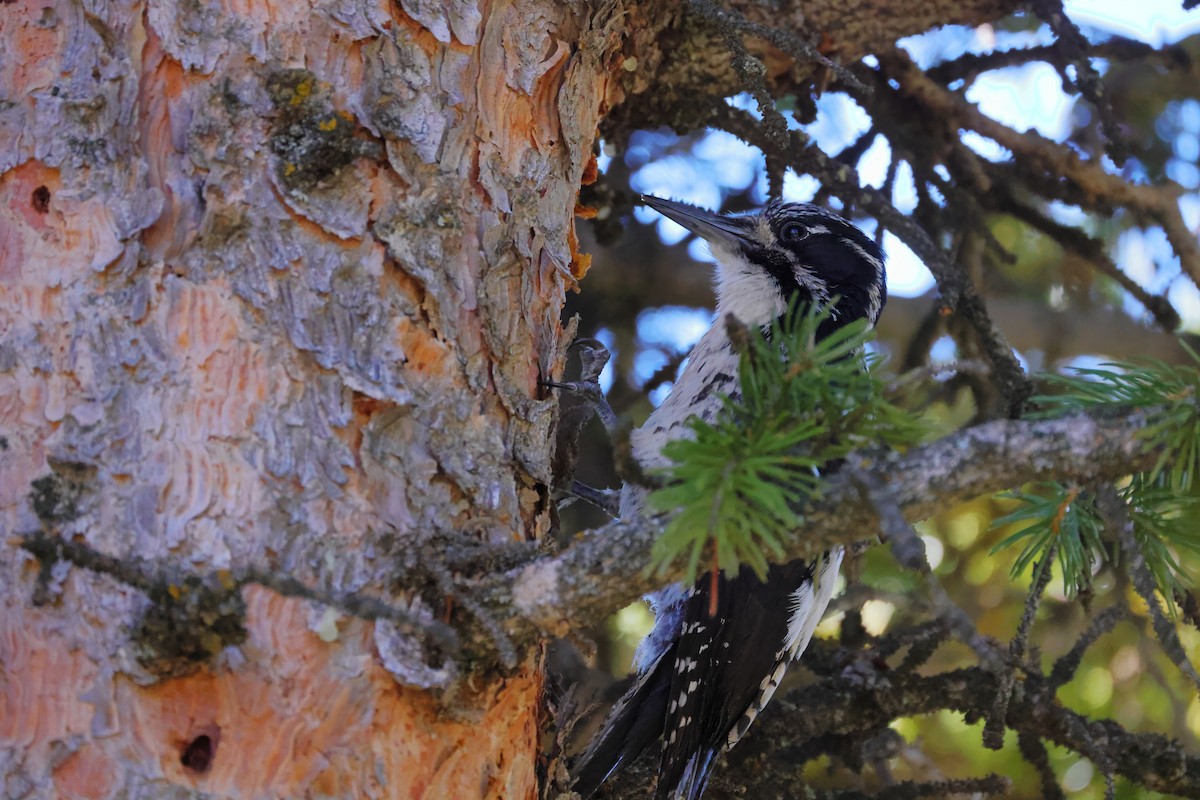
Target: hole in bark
point(41, 199)
point(199, 753)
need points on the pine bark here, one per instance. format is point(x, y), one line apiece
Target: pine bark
point(278, 286)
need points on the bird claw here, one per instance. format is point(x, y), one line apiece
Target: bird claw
point(590, 392)
point(607, 500)
point(593, 356)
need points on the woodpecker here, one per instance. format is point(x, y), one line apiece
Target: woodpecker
point(703, 677)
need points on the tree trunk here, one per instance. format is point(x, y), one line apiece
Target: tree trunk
point(279, 283)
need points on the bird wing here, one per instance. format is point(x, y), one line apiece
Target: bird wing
point(741, 653)
point(634, 722)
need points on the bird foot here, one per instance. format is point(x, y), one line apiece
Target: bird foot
point(593, 356)
point(607, 500)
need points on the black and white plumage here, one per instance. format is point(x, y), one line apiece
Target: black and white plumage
point(703, 677)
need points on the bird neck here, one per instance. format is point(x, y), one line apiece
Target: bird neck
point(746, 291)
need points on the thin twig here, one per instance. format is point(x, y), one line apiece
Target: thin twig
point(139, 574)
point(969, 65)
point(607, 500)
point(357, 605)
point(963, 366)
point(750, 70)
point(854, 151)
point(1034, 752)
point(909, 551)
point(1094, 188)
point(993, 728)
point(1091, 250)
point(1064, 668)
point(1076, 50)
point(1117, 513)
point(923, 644)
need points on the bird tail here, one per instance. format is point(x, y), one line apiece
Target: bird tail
point(635, 721)
point(694, 779)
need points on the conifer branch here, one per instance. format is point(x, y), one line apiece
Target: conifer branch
point(605, 569)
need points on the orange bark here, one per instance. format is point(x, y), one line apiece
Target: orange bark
point(283, 357)
point(300, 716)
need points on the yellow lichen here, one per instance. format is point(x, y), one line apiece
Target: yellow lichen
point(302, 91)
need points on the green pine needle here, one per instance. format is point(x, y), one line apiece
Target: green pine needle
point(736, 485)
point(1161, 503)
point(1060, 518)
point(1164, 522)
point(1171, 391)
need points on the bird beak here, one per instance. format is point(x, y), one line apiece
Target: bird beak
point(711, 227)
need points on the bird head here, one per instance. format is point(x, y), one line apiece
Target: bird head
point(785, 249)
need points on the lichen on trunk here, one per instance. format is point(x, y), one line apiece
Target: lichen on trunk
point(279, 286)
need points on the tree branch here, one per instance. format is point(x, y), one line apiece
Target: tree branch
point(605, 569)
point(1037, 154)
point(850, 704)
point(855, 696)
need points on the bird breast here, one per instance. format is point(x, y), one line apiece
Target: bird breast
point(710, 373)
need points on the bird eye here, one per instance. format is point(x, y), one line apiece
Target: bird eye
point(793, 232)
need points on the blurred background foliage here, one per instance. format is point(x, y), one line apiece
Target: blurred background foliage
point(648, 298)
